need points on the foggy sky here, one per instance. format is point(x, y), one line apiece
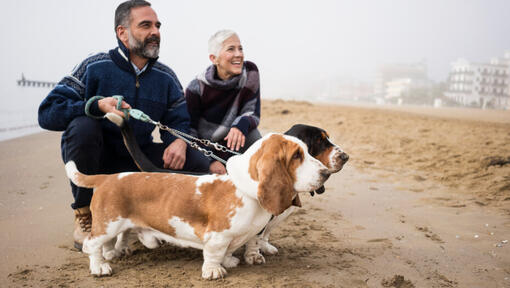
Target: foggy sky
point(294, 43)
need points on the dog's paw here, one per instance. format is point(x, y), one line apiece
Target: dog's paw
point(103, 269)
point(125, 251)
point(230, 262)
point(267, 248)
point(254, 257)
point(213, 271)
point(112, 254)
point(149, 241)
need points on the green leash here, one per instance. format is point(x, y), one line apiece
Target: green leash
point(139, 115)
point(135, 113)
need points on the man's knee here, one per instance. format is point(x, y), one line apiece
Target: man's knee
point(82, 137)
point(196, 161)
point(84, 129)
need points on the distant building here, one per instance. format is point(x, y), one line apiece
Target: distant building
point(480, 84)
point(395, 88)
point(342, 89)
point(400, 87)
point(394, 79)
point(353, 90)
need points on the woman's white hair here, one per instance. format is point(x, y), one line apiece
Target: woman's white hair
point(216, 41)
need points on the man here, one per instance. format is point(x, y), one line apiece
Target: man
point(130, 70)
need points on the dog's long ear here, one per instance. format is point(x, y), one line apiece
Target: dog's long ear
point(296, 201)
point(276, 187)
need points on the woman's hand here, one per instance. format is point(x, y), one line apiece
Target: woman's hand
point(235, 139)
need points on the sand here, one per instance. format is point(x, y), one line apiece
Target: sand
point(423, 202)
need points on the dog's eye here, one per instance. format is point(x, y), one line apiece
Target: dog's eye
point(297, 156)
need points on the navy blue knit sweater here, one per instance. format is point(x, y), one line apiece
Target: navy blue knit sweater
point(159, 94)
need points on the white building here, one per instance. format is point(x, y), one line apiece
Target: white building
point(394, 79)
point(400, 87)
point(481, 84)
point(396, 88)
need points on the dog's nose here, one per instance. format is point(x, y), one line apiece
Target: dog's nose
point(344, 157)
point(320, 190)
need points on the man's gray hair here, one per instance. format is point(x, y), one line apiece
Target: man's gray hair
point(123, 12)
point(216, 41)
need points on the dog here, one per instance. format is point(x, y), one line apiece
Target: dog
point(215, 213)
point(318, 144)
point(319, 147)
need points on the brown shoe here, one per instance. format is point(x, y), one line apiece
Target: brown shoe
point(82, 225)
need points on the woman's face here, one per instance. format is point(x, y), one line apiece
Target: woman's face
point(229, 62)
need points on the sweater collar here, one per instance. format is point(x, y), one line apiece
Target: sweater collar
point(120, 56)
point(210, 77)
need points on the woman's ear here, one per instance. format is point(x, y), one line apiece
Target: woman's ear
point(212, 58)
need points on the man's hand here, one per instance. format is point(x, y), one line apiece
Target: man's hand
point(235, 139)
point(217, 168)
point(174, 156)
point(109, 104)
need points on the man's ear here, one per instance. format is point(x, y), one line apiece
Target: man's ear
point(122, 34)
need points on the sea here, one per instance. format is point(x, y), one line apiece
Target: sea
point(18, 110)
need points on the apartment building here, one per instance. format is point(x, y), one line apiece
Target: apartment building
point(395, 79)
point(485, 85)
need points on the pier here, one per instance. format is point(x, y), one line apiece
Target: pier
point(34, 83)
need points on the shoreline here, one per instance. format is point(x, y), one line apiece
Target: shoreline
point(459, 113)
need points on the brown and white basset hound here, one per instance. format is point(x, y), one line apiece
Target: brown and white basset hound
point(319, 146)
point(215, 213)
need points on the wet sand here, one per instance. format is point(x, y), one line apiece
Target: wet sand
point(423, 202)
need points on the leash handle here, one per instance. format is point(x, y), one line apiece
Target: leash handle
point(119, 99)
point(87, 107)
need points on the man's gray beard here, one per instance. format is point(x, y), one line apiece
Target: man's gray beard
point(139, 48)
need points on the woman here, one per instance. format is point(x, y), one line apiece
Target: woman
point(224, 101)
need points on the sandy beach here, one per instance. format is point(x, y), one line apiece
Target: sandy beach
point(424, 201)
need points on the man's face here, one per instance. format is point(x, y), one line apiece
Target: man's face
point(143, 35)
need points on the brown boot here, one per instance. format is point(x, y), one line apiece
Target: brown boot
point(82, 225)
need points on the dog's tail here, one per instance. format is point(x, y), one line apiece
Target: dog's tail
point(80, 179)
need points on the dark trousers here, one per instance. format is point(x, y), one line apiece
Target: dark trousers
point(82, 142)
point(251, 138)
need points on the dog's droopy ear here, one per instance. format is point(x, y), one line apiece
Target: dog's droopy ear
point(296, 201)
point(268, 165)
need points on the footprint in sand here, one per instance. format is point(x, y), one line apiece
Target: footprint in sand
point(429, 234)
point(44, 185)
